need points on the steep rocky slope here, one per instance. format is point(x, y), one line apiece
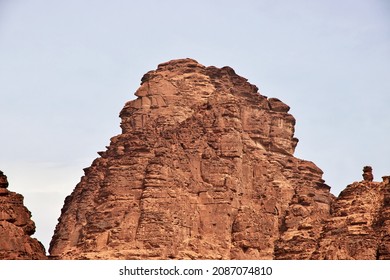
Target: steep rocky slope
point(16, 227)
point(204, 169)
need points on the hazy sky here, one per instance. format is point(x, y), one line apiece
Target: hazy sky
point(68, 67)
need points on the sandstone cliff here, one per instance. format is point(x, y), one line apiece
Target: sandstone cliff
point(204, 169)
point(360, 224)
point(16, 227)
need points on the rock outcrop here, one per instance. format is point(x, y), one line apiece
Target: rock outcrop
point(204, 169)
point(360, 224)
point(16, 227)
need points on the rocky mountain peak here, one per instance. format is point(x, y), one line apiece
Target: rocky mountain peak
point(204, 169)
point(176, 90)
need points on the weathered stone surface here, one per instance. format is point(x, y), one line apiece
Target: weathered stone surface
point(360, 224)
point(16, 227)
point(204, 169)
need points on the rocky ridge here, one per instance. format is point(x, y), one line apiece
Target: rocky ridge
point(16, 227)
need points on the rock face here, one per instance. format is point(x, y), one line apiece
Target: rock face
point(360, 224)
point(16, 227)
point(203, 169)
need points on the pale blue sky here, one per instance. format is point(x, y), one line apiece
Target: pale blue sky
point(68, 67)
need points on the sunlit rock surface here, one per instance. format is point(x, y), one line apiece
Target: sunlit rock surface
point(204, 169)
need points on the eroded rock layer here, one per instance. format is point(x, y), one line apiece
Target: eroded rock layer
point(203, 169)
point(360, 224)
point(16, 227)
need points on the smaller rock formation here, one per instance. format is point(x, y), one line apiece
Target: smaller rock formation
point(16, 227)
point(367, 174)
point(360, 224)
point(3, 180)
point(3, 184)
point(386, 180)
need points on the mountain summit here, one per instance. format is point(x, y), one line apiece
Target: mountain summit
point(204, 169)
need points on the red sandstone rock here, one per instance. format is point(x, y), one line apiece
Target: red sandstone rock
point(204, 169)
point(16, 227)
point(3, 181)
point(360, 224)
